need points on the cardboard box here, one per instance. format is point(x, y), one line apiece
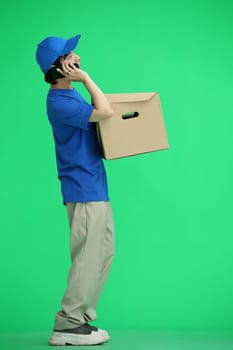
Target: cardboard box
point(136, 127)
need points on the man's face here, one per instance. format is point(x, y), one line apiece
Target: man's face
point(72, 58)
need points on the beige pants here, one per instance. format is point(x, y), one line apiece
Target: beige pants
point(92, 250)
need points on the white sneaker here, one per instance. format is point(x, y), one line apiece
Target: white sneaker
point(82, 335)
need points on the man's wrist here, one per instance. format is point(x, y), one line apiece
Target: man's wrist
point(85, 79)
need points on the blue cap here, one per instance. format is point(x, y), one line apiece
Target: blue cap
point(51, 48)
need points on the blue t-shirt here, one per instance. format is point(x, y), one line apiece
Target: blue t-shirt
point(79, 162)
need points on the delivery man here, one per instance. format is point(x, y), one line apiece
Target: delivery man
point(84, 188)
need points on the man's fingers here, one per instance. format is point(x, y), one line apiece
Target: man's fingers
point(64, 68)
point(60, 71)
point(72, 65)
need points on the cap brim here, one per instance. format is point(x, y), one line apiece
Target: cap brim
point(70, 44)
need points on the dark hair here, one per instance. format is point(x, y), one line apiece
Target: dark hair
point(52, 75)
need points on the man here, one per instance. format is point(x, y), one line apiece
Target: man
point(84, 188)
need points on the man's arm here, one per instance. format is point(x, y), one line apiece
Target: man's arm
point(102, 109)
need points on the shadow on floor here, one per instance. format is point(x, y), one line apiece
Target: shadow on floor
point(127, 340)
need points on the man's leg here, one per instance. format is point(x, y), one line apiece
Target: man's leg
point(91, 244)
point(107, 257)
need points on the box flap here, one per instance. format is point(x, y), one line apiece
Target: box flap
point(131, 97)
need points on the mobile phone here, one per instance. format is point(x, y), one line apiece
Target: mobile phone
point(75, 64)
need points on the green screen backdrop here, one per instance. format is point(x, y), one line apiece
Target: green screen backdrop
point(173, 214)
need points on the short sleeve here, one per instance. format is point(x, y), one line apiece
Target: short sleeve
point(72, 112)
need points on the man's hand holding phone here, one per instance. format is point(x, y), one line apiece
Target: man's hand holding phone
point(72, 72)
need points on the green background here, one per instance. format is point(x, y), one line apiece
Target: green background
point(173, 209)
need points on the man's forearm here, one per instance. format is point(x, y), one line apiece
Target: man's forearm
point(99, 100)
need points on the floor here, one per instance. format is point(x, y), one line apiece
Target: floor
point(127, 340)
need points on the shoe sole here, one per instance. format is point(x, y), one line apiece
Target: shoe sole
point(62, 339)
